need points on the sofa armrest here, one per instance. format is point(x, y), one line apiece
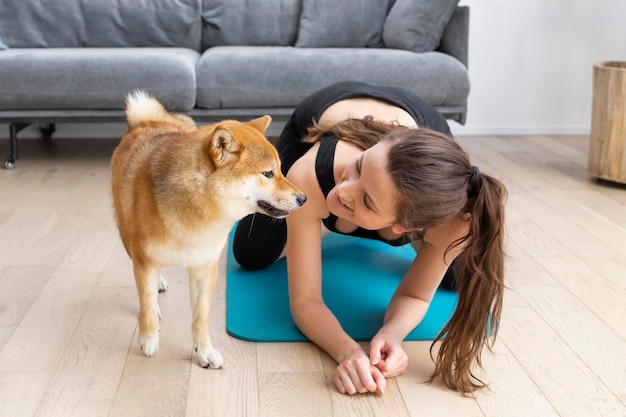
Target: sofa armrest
point(455, 39)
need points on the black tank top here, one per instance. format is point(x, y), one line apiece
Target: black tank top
point(324, 163)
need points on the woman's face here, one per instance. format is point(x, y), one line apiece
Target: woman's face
point(365, 195)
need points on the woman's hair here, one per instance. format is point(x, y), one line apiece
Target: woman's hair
point(436, 183)
point(363, 133)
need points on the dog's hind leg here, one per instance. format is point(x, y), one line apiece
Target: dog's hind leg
point(147, 280)
point(201, 285)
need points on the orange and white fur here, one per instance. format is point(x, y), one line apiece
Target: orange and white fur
point(178, 190)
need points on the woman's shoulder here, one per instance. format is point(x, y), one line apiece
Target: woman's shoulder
point(302, 172)
point(445, 234)
point(302, 175)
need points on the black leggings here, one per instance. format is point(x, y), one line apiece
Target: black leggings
point(259, 240)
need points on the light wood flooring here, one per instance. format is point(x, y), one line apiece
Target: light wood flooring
point(68, 342)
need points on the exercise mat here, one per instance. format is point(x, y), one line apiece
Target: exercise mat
point(359, 278)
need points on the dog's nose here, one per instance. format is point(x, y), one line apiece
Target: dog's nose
point(301, 199)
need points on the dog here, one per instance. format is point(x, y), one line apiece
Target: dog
point(178, 189)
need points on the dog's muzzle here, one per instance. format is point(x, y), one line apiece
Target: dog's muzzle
point(273, 211)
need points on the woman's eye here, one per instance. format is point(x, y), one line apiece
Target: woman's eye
point(268, 174)
point(367, 204)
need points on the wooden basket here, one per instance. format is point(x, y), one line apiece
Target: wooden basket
point(607, 147)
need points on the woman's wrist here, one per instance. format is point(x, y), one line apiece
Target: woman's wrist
point(347, 351)
point(391, 334)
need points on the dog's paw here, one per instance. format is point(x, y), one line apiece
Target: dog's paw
point(210, 359)
point(163, 286)
point(149, 344)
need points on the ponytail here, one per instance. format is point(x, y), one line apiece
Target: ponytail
point(479, 274)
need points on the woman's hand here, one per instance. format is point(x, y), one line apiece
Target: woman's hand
point(357, 375)
point(386, 354)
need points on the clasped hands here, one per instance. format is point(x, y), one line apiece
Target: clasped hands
point(360, 373)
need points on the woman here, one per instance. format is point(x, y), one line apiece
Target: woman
point(380, 163)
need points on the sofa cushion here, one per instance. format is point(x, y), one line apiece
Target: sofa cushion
point(265, 22)
point(332, 23)
point(417, 25)
point(98, 23)
point(248, 77)
point(95, 78)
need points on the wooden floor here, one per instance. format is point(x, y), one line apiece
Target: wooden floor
point(68, 342)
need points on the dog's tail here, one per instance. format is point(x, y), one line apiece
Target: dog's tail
point(142, 107)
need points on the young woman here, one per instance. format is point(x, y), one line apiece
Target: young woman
point(380, 163)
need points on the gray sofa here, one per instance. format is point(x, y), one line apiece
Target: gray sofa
point(75, 60)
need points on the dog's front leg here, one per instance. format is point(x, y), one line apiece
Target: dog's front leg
point(201, 284)
point(147, 280)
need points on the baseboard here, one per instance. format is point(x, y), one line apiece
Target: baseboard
point(527, 130)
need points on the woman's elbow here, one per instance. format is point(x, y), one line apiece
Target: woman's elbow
point(302, 309)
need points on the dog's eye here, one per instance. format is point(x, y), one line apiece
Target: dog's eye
point(268, 174)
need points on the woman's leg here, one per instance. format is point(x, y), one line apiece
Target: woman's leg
point(259, 241)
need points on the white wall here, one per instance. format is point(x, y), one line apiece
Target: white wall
point(531, 63)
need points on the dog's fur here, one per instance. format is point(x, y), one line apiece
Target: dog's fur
point(178, 189)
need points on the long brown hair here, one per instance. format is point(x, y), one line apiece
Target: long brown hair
point(436, 182)
point(363, 133)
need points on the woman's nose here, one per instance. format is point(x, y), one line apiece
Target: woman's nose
point(344, 191)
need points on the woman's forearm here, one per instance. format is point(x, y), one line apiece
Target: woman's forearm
point(412, 298)
point(403, 314)
point(319, 324)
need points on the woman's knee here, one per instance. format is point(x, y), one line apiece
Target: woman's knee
point(259, 241)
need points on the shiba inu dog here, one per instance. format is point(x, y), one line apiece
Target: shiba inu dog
point(178, 190)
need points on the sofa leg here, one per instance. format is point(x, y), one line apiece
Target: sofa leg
point(9, 163)
point(47, 130)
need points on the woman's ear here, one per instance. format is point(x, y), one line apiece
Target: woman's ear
point(398, 229)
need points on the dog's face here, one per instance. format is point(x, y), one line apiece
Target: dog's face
point(246, 161)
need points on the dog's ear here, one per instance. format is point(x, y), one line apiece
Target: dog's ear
point(260, 123)
point(223, 147)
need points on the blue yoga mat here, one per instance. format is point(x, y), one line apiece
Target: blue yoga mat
point(359, 278)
